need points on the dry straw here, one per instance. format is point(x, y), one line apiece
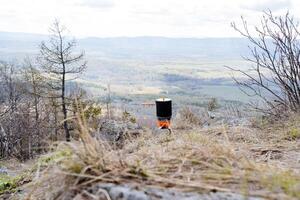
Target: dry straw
point(189, 161)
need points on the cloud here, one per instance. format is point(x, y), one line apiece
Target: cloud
point(152, 12)
point(103, 4)
point(107, 18)
point(262, 5)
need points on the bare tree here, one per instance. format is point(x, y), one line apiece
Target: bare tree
point(61, 63)
point(9, 87)
point(275, 58)
point(10, 97)
point(17, 130)
point(108, 102)
point(34, 86)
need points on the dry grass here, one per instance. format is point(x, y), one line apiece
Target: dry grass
point(186, 118)
point(257, 162)
point(203, 161)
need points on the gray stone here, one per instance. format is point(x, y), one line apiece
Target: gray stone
point(116, 131)
point(3, 170)
point(129, 192)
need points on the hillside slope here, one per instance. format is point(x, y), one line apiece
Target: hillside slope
point(218, 162)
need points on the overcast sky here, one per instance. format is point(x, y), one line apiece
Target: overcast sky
point(109, 18)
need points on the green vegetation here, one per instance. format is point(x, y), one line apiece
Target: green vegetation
point(9, 183)
point(293, 134)
point(285, 181)
point(54, 157)
point(126, 116)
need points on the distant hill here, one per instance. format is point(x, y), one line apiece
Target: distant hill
point(20, 41)
point(135, 47)
point(169, 47)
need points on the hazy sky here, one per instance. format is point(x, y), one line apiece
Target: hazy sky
point(108, 18)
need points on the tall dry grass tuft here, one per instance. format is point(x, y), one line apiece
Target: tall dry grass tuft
point(93, 149)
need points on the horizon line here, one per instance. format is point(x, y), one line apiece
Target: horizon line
point(124, 36)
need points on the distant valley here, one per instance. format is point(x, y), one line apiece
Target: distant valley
point(142, 68)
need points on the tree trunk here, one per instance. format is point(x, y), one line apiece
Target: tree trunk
point(64, 108)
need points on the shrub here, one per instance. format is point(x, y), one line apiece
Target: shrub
point(293, 134)
point(274, 57)
point(212, 104)
point(187, 118)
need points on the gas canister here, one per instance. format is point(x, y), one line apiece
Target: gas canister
point(163, 112)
